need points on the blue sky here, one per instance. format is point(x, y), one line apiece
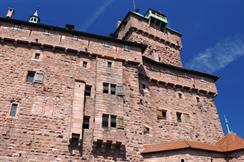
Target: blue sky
point(213, 36)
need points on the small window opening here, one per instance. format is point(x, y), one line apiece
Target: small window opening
point(37, 56)
point(113, 89)
point(13, 110)
point(146, 130)
point(113, 121)
point(182, 160)
point(84, 64)
point(88, 90)
point(198, 99)
point(75, 139)
point(107, 44)
point(30, 76)
point(162, 114)
point(34, 77)
point(144, 86)
point(179, 117)
point(105, 87)
point(105, 118)
point(86, 122)
point(180, 95)
point(109, 65)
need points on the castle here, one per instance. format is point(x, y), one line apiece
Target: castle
point(73, 96)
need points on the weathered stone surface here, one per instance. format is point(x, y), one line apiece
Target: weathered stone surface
point(46, 113)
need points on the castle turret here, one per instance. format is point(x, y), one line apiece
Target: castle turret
point(164, 44)
point(34, 18)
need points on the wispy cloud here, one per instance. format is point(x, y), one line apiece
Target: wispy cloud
point(96, 14)
point(219, 56)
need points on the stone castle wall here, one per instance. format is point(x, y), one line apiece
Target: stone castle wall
point(163, 46)
point(45, 116)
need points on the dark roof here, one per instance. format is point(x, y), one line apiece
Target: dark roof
point(74, 32)
point(142, 18)
point(215, 78)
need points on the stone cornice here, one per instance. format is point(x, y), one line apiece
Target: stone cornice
point(150, 36)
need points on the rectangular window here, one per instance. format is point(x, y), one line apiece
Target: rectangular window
point(109, 65)
point(105, 119)
point(179, 117)
point(180, 95)
point(86, 122)
point(84, 64)
point(107, 44)
point(13, 110)
point(37, 56)
point(113, 121)
point(34, 77)
point(146, 130)
point(113, 89)
point(105, 87)
point(30, 76)
point(88, 90)
point(162, 114)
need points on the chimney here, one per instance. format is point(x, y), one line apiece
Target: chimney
point(10, 13)
point(118, 24)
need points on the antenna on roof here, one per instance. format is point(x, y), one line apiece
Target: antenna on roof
point(227, 125)
point(134, 4)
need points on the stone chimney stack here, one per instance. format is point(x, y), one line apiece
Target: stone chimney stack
point(10, 13)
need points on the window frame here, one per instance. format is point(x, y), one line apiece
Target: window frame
point(109, 64)
point(179, 117)
point(16, 111)
point(105, 123)
point(27, 76)
point(35, 76)
point(113, 89)
point(85, 64)
point(88, 89)
point(86, 122)
point(106, 87)
point(113, 121)
point(39, 57)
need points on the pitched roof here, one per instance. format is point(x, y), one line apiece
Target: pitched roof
point(228, 143)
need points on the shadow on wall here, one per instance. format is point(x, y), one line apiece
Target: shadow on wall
point(108, 150)
point(75, 146)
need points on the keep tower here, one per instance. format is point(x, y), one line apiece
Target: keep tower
point(164, 44)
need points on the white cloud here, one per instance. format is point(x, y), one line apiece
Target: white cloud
point(218, 56)
point(96, 14)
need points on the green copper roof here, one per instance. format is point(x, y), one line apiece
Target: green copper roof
point(156, 15)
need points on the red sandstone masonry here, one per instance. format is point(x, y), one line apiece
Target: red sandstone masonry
point(42, 129)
